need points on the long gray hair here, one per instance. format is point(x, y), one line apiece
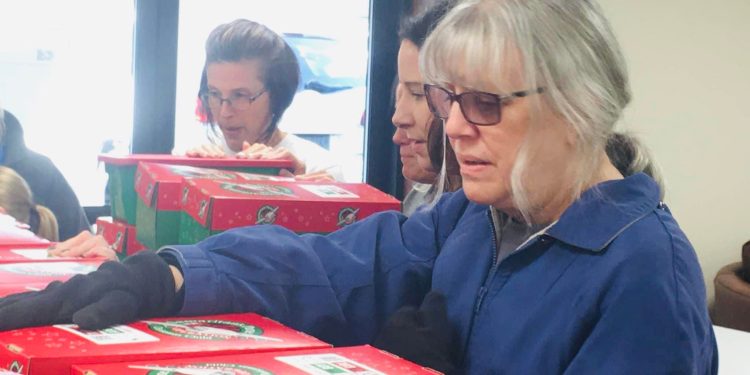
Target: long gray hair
point(565, 46)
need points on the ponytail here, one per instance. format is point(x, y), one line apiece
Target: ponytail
point(47, 223)
point(629, 156)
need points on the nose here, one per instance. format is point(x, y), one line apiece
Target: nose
point(399, 137)
point(456, 126)
point(225, 108)
point(403, 115)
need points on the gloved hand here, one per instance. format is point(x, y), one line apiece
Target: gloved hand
point(422, 335)
point(140, 287)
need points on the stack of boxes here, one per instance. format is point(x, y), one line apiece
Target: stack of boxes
point(25, 264)
point(219, 344)
point(159, 200)
point(123, 180)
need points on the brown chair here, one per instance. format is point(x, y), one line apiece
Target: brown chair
point(732, 305)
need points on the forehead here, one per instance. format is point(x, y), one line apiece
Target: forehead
point(227, 76)
point(408, 62)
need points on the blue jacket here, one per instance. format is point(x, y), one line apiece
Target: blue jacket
point(613, 287)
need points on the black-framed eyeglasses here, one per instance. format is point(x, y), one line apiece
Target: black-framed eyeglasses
point(237, 100)
point(478, 108)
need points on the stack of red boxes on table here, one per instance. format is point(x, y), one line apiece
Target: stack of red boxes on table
point(121, 230)
point(179, 203)
point(162, 200)
point(218, 344)
point(25, 265)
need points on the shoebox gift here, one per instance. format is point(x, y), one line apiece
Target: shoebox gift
point(8, 289)
point(17, 235)
point(121, 171)
point(54, 349)
point(210, 207)
point(24, 255)
point(45, 272)
point(159, 190)
point(121, 236)
point(362, 360)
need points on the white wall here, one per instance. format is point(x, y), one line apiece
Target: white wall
point(689, 63)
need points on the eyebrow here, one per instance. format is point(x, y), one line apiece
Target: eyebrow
point(414, 86)
point(241, 90)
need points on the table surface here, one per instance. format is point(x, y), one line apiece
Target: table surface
point(734, 351)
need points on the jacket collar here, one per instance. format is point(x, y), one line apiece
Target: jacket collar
point(606, 210)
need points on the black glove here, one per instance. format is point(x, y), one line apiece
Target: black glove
point(422, 335)
point(140, 287)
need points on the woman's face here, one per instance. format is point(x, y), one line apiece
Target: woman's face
point(239, 80)
point(412, 117)
point(487, 154)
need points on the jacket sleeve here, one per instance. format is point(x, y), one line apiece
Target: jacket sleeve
point(339, 287)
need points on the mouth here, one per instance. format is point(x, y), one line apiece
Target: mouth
point(232, 131)
point(471, 162)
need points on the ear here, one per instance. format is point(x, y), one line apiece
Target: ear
point(2, 211)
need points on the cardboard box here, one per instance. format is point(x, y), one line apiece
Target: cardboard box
point(44, 272)
point(121, 236)
point(361, 360)
point(15, 235)
point(9, 289)
point(158, 187)
point(121, 171)
point(33, 255)
point(54, 349)
point(211, 207)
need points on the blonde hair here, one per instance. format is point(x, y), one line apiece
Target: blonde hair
point(17, 200)
point(565, 46)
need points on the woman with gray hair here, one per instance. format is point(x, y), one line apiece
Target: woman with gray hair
point(548, 261)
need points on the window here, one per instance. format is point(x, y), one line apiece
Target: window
point(65, 72)
point(330, 39)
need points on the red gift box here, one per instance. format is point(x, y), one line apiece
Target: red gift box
point(45, 272)
point(34, 255)
point(53, 349)
point(210, 207)
point(363, 360)
point(16, 235)
point(120, 235)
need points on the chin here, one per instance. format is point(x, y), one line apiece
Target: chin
point(480, 194)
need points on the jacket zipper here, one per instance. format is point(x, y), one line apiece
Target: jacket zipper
point(483, 290)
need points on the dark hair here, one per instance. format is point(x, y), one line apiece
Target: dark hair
point(246, 40)
point(627, 154)
point(416, 28)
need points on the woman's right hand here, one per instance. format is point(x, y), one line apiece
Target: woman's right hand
point(206, 151)
point(85, 245)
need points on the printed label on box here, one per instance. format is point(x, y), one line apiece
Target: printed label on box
point(110, 336)
point(329, 191)
point(327, 364)
point(37, 254)
point(193, 172)
point(203, 369)
point(204, 329)
point(52, 269)
point(254, 176)
point(258, 189)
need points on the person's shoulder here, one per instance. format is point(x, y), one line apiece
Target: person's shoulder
point(294, 142)
point(32, 162)
point(655, 251)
